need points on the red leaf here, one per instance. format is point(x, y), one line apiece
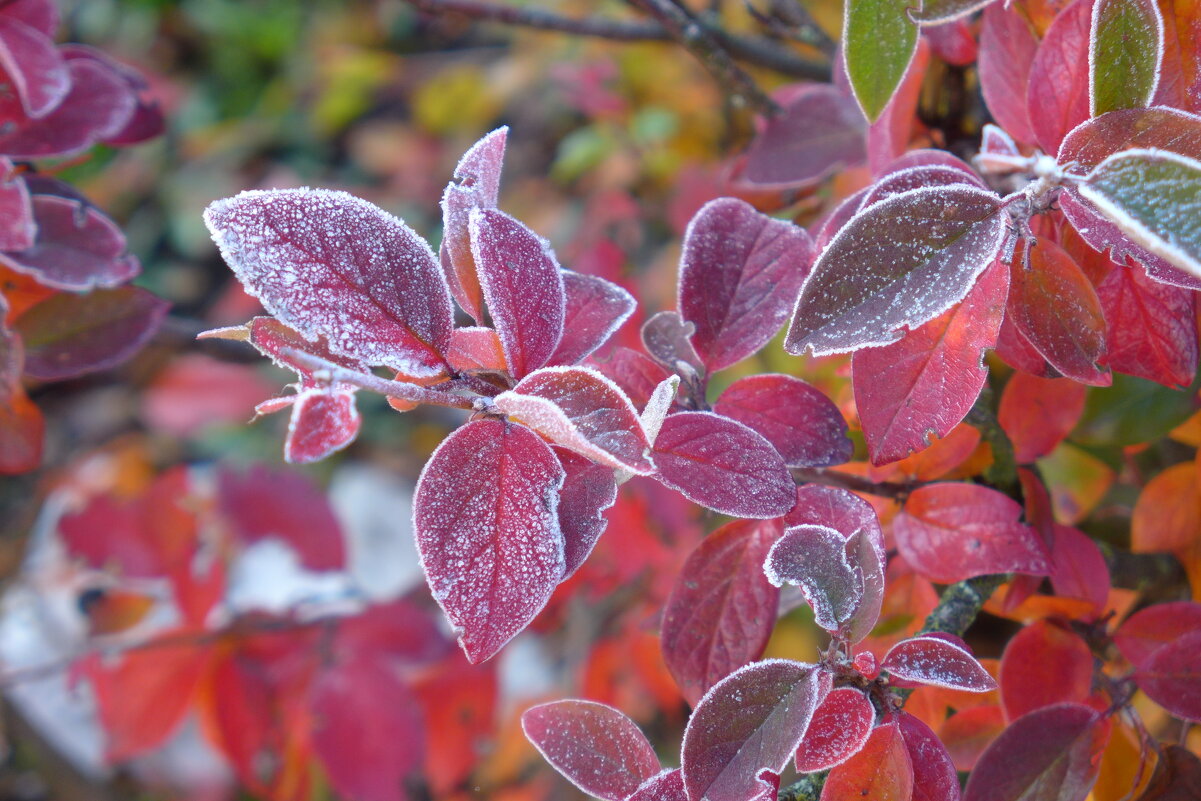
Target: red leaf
point(665, 786)
point(77, 248)
point(898, 181)
point(1027, 684)
point(476, 186)
point(840, 726)
point(723, 465)
point(896, 265)
point(582, 410)
point(968, 732)
point(749, 722)
point(825, 229)
point(1151, 327)
point(476, 348)
point(326, 264)
point(1016, 351)
point(950, 532)
point(953, 42)
point(880, 771)
point(1171, 676)
point(934, 777)
point(523, 287)
point(939, 662)
point(22, 430)
point(1007, 48)
point(588, 490)
point(1078, 568)
point(721, 610)
point(41, 15)
point(800, 422)
point(923, 385)
point(17, 229)
point(271, 338)
point(1057, 97)
point(599, 749)
point(459, 701)
point(814, 558)
point(485, 515)
point(1144, 632)
point(739, 276)
point(595, 309)
point(1049, 755)
point(33, 68)
point(668, 338)
point(637, 374)
point(322, 423)
point(1037, 413)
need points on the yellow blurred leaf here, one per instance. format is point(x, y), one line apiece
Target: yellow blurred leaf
point(1077, 480)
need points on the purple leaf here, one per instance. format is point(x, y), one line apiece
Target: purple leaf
point(42, 15)
point(837, 219)
point(331, 265)
point(146, 121)
point(739, 275)
point(17, 229)
point(665, 786)
point(487, 527)
point(77, 248)
point(721, 610)
point(840, 726)
point(595, 309)
point(588, 490)
point(904, 180)
point(814, 558)
point(936, 661)
point(896, 265)
point(597, 748)
point(749, 722)
point(582, 410)
point(668, 338)
point(723, 465)
point(1171, 676)
point(934, 776)
point(322, 423)
point(67, 335)
point(523, 287)
point(33, 68)
point(476, 186)
point(801, 423)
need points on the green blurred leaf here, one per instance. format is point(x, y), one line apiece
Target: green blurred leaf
point(879, 41)
point(1125, 54)
point(1132, 411)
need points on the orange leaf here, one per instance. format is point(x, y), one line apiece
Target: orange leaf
point(1167, 515)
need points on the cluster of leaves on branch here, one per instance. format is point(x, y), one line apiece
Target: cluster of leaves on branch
point(65, 309)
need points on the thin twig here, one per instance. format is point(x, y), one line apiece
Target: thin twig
point(833, 478)
point(791, 20)
point(393, 389)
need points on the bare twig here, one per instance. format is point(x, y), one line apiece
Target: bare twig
point(790, 20)
point(393, 389)
point(833, 478)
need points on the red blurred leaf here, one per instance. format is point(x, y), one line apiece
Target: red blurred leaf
point(1037, 413)
point(599, 749)
point(1171, 676)
point(322, 423)
point(950, 532)
point(459, 701)
point(485, 515)
point(41, 15)
point(1151, 327)
point(588, 490)
point(1144, 632)
point(1177, 776)
point(888, 136)
point(1180, 75)
point(595, 309)
point(194, 391)
point(953, 42)
point(803, 425)
point(840, 726)
point(934, 777)
point(35, 71)
point(22, 429)
point(1057, 97)
point(818, 132)
point(722, 609)
point(17, 229)
point(880, 771)
point(814, 558)
point(723, 465)
point(749, 722)
point(1078, 568)
point(936, 661)
point(77, 248)
point(476, 186)
point(968, 732)
point(1027, 684)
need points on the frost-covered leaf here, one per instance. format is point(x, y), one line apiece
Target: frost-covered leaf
point(331, 265)
point(17, 229)
point(878, 43)
point(723, 465)
point(814, 558)
point(1171, 676)
point(818, 132)
point(999, 154)
point(936, 12)
point(322, 423)
point(597, 748)
point(722, 609)
point(665, 786)
point(1125, 54)
point(923, 385)
point(801, 423)
point(950, 532)
point(36, 73)
point(522, 285)
point(638, 375)
point(595, 309)
point(740, 272)
point(476, 186)
point(1007, 48)
point(668, 338)
point(76, 248)
point(749, 722)
point(898, 264)
point(658, 406)
point(934, 776)
point(897, 182)
point(486, 520)
point(1057, 96)
point(475, 348)
point(580, 409)
point(939, 662)
point(840, 726)
point(879, 771)
point(588, 490)
point(1154, 197)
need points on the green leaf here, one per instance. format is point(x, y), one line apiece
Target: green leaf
point(1124, 55)
point(879, 41)
point(1132, 411)
point(1154, 197)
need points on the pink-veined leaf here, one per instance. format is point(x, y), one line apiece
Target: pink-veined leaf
point(934, 776)
point(476, 186)
point(588, 490)
point(34, 69)
point(950, 532)
point(723, 465)
point(938, 662)
point(1007, 48)
point(322, 422)
point(1144, 632)
point(17, 229)
point(1049, 755)
point(331, 265)
point(1126, 48)
point(749, 722)
point(740, 272)
point(1027, 684)
point(665, 786)
point(840, 726)
point(1057, 96)
point(76, 248)
point(814, 557)
point(668, 338)
point(1038, 413)
point(879, 771)
point(922, 385)
point(597, 748)
point(522, 285)
point(818, 132)
point(1171, 676)
point(1078, 568)
point(722, 609)
point(595, 309)
point(798, 420)
point(580, 409)
point(487, 527)
point(897, 264)
point(879, 41)
point(1151, 330)
point(637, 374)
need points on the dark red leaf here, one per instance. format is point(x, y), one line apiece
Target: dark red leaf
point(1016, 351)
point(1027, 684)
point(36, 74)
point(1141, 634)
point(636, 373)
point(668, 338)
point(1057, 96)
point(934, 777)
point(880, 771)
point(1078, 569)
point(665, 786)
point(1037, 413)
point(722, 609)
point(599, 749)
point(17, 229)
point(840, 726)
point(938, 662)
point(896, 182)
point(1151, 327)
point(819, 131)
point(814, 558)
point(41, 15)
point(1171, 676)
point(1177, 776)
point(595, 309)
point(800, 422)
point(77, 248)
point(322, 423)
point(476, 186)
point(487, 527)
point(588, 490)
point(723, 465)
point(1007, 48)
